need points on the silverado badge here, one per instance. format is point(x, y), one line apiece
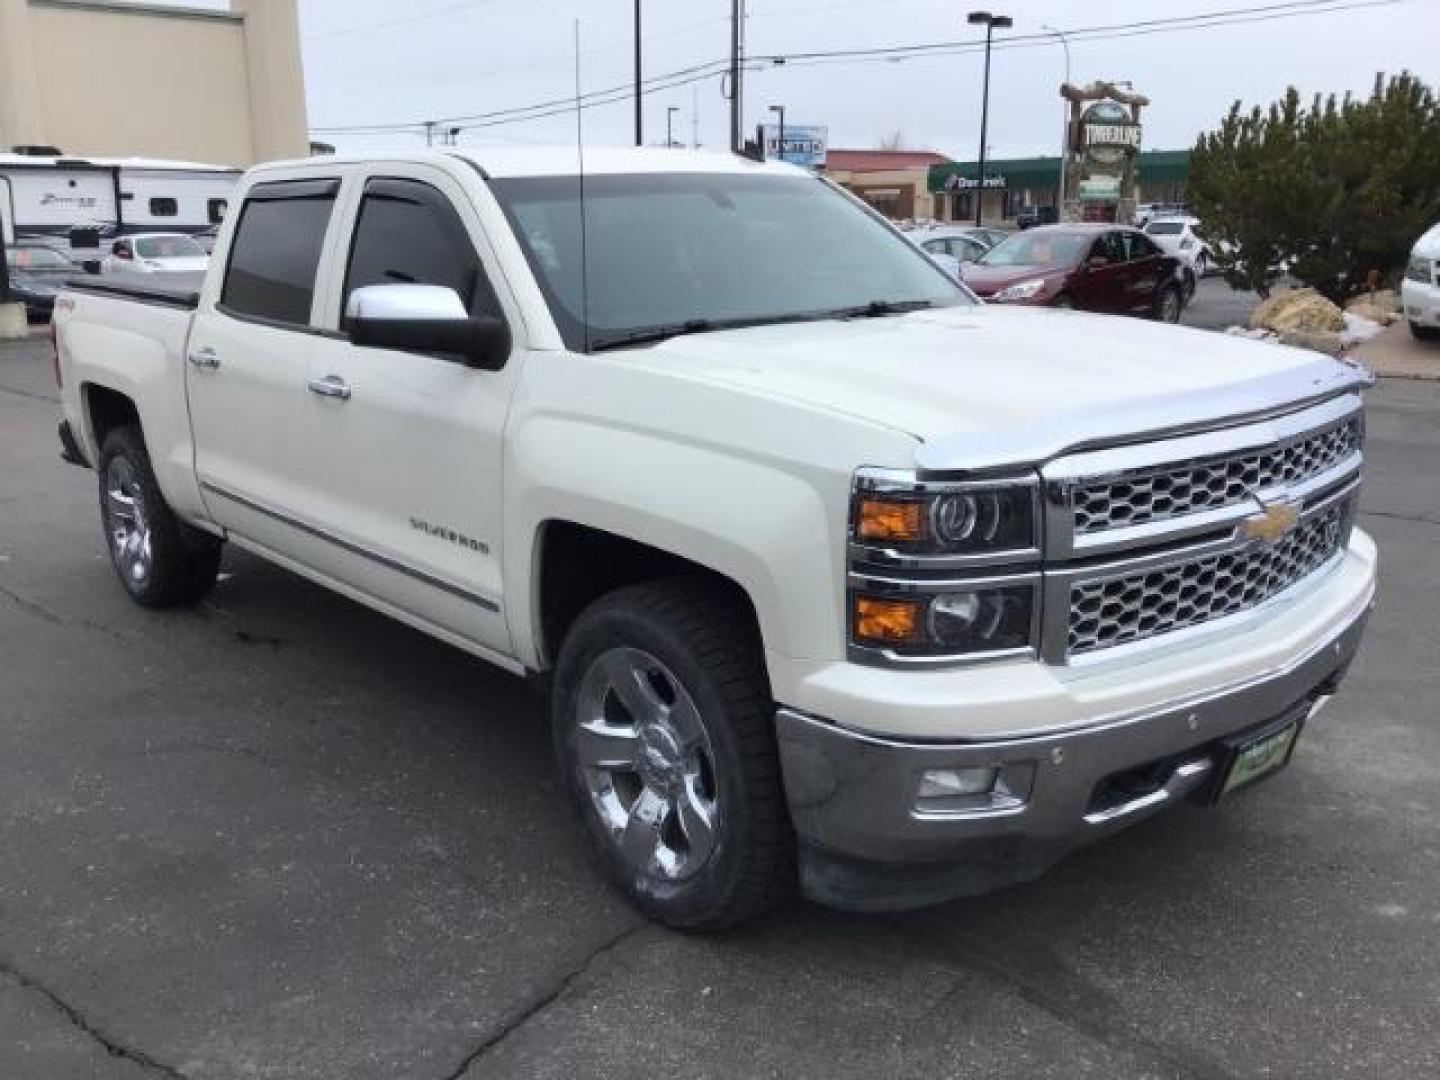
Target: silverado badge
point(1274, 523)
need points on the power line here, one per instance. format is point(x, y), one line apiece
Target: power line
point(896, 53)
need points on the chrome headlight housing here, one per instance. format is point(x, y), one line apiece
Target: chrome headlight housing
point(1025, 290)
point(943, 571)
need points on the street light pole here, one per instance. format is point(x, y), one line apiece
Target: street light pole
point(669, 116)
point(639, 118)
point(779, 110)
point(1064, 125)
point(991, 24)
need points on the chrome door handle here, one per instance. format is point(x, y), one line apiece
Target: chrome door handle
point(205, 358)
point(330, 386)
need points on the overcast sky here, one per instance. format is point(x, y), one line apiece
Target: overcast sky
point(381, 61)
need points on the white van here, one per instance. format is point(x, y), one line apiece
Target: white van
point(1420, 291)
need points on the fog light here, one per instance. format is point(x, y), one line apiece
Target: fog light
point(948, 783)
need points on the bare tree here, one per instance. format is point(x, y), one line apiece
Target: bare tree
point(894, 141)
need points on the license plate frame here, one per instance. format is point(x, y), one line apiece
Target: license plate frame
point(1258, 755)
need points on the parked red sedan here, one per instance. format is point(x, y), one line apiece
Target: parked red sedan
point(1091, 267)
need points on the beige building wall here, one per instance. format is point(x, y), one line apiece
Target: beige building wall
point(898, 193)
point(111, 79)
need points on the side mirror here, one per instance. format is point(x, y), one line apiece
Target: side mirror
point(426, 319)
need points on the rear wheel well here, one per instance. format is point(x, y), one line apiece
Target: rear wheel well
point(580, 564)
point(108, 409)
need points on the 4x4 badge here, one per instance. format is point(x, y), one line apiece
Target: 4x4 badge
point(1276, 522)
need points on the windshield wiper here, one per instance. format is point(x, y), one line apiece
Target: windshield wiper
point(876, 308)
point(647, 334)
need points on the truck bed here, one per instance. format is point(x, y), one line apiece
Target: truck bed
point(171, 290)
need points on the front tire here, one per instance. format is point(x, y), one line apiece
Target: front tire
point(664, 733)
point(161, 561)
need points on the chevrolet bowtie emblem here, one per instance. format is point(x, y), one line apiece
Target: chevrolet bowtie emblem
point(1277, 520)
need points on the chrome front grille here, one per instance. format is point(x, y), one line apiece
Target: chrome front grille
point(1172, 491)
point(1125, 607)
point(1146, 540)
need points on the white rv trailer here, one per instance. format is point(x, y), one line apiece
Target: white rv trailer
point(47, 196)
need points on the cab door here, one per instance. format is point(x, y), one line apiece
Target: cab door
point(406, 447)
point(246, 363)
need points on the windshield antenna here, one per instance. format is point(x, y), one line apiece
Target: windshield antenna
point(584, 249)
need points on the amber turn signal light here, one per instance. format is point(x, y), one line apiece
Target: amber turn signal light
point(889, 519)
point(887, 620)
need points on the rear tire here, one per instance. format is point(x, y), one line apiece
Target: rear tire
point(664, 733)
point(161, 561)
point(1064, 300)
point(1168, 304)
point(1424, 333)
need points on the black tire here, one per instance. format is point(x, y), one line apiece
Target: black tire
point(702, 636)
point(1164, 309)
point(1202, 265)
point(181, 563)
point(1424, 333)
point(1064, 300)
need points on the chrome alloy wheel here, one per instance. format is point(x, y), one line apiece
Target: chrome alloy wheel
point(647, 764)
point(126, 524)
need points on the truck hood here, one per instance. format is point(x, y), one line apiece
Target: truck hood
point(994, 385)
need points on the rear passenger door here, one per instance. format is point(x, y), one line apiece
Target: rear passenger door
point(246, 363)
point(1146, 268)
point(407, 458)
point(1100, 284)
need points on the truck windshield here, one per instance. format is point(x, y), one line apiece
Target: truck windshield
point(674, 253)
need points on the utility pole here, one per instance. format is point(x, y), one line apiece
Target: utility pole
point(991, 23)
point(1064, 126)
point(669, 136)
point(737, 96)
point(639, 113)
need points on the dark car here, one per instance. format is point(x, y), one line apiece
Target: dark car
point(1092, 267)
point(1031, 216)
point(37, 273)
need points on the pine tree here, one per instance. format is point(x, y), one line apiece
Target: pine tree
point(1334, 192)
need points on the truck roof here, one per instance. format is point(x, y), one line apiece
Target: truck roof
point(514, 161)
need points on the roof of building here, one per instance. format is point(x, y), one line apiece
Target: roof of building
point(82, 161)
point(1156, 166)
point(881, 160)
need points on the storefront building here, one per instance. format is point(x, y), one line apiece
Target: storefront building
point(894, 182)
point(1014, 184)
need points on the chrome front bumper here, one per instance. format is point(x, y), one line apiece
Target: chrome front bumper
point(867, 845)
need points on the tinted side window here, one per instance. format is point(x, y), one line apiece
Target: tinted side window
point(409, 233)
point(276, 250)
point(1142, 247)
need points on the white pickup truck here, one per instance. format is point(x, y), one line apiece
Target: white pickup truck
point(839, 578)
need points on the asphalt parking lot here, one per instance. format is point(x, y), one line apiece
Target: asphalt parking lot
point(281, 836)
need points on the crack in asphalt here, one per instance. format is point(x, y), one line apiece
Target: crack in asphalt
point(543, 1002)
point(78, 1020)
point(28, 394)
point(1391, 515)
point(1041, 978)
point(40, 611)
